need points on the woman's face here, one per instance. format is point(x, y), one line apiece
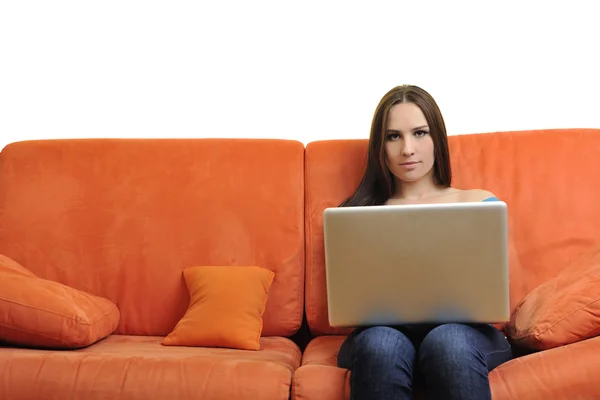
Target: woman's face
point(408, 145)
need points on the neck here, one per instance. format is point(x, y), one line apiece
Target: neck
point(416, 190)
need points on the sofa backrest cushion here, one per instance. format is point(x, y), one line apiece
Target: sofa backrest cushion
point(548, 178)
point(122, 218)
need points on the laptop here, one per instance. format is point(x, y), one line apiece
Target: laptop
point(412, 264)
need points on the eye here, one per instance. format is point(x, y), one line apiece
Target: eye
point(421, 133)
point(393, 136)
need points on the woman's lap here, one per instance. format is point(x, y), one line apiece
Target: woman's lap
point(488, 340)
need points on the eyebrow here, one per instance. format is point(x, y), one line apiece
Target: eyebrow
point(414, 129)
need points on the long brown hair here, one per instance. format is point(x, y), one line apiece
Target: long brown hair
point(377, 184)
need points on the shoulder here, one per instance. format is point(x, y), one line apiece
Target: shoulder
point(476, 195)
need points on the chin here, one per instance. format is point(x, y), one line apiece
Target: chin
point(410, 180)
point(409, 177)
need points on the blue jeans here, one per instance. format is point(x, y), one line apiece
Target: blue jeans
point(452, 360)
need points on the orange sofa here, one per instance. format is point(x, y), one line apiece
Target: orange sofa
point(121, 219)
point(103, 230)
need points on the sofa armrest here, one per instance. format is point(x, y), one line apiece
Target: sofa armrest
point(567, 372)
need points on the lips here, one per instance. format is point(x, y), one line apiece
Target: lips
point(409, 163)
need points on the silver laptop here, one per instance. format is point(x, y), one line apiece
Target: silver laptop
point(432, 263)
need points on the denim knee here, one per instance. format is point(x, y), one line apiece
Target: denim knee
point(382, 360)
point(449, 346)
point(453, 361)
point(383, 347)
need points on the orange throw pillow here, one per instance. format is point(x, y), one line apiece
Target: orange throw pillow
point(40, 313)
point(226, 307)
point(564, 310)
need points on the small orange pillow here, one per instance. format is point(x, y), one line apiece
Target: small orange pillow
point(564, 310)
point(226, 307)
point(40, 313)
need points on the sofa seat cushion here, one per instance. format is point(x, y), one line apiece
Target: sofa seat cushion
point(323, 350)
point(319, 377)
point(139, 367)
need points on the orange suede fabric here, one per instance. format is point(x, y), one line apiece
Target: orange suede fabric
point(333, 169)
point(226, 307)
point(566, 372)
point(121, 218)
point(39, 313)
point(135, 367)
point(563, 310)
point(553, 214)
point(321, 382)
point(319, 377)
point(9, 265)
point(323, 350)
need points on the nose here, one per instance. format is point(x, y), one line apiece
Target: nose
point(408, 148)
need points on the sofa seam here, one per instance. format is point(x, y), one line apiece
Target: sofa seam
point(301, 294)
point(309, 238)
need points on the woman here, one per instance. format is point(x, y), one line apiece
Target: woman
point(409, 163)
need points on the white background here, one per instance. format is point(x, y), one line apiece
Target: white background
point(305, 70)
